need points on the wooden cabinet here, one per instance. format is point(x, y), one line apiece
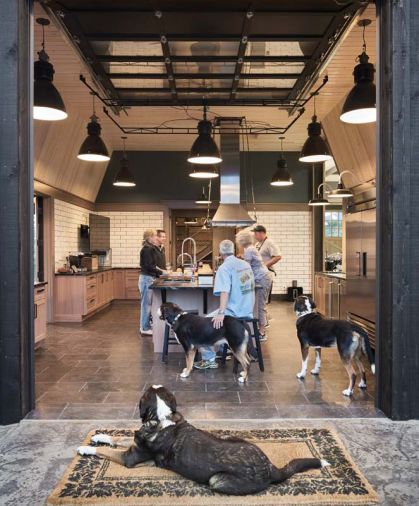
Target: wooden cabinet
point(40, 313)
point(131, 284)
point(321, 291)
point(78, 297)
point(125, 284)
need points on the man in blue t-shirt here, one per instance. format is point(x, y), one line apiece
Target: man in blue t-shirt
point(235, 285)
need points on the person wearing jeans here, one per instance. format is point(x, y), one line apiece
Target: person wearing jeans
point(235, 285)
point(263, 280)
point(150, 258)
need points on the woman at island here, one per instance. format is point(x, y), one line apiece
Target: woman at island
point(263, 280)
point(152, 266)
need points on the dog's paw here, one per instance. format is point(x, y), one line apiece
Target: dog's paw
point(362, 384)
point(347, 392)
point(102, 438)
point(86, 450)
point(315, 372)
point(185, 373)
point(300, 375)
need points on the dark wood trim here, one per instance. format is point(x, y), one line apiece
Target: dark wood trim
point(398, 210)
point(16, 218)
point(51, 191)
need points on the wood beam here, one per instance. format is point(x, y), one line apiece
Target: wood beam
point(398, 210)
point(16, 216)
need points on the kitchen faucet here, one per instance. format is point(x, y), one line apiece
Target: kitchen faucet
point(183, 253)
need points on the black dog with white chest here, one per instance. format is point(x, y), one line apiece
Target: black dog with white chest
point(317, 332)
point(228, 465)
point(193, 331)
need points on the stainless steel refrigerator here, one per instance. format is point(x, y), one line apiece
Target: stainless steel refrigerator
point(358, 304)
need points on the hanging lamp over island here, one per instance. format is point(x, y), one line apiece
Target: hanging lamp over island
point(124, 176)
point(360, 104)
point(282, 176)
point(47, 102)
point(319, 200)
point(315, 148)
point(341, 192)
point(204, 150)
point(93, 148)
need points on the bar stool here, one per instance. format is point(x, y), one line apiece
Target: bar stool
point(169, 338)
point(256, 335)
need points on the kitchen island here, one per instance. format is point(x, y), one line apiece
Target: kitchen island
point(189, 295)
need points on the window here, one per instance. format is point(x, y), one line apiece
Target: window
point(333, 223)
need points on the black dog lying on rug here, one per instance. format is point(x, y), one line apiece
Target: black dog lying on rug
point(230, 466)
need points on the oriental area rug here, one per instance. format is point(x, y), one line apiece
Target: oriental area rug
point(91, 480)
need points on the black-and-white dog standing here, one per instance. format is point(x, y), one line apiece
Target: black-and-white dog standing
point(227, 465)
point(317, 332)
point(193, 331)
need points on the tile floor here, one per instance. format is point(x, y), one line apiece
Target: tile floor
point(97, 370)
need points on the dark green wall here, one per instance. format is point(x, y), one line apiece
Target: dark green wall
point(164, 176)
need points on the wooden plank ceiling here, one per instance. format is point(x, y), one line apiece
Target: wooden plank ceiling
point(57, 144)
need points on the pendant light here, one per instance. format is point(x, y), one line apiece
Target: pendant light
point(203, 199)
point(315, 148)
point(319, 200)
point(124, 176)
point(282, 177)
point(204, 172)
point(47, 102)
point(93, 148)
point(360, 104)
point(204, 150)
point(341, 192)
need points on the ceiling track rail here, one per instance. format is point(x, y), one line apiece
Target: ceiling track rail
point(286, 104)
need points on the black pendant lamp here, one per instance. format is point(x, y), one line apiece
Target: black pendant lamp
point(204, 150)
point(204, 172)
point(93, 148)
point(360, 104)
point(203, 198)
point(124, 176)
point(47, 102)
point(315, 149)
point(282, 177)
point(319, 200)
point(341, 192)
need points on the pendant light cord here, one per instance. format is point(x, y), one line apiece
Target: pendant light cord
point(251, 171)
point(43, 38)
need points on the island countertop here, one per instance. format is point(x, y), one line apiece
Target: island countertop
point(162, 284)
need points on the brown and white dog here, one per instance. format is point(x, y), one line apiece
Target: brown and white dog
point(317, 332)
point(229, 465)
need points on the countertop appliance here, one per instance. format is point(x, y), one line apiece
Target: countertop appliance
point(358, 305)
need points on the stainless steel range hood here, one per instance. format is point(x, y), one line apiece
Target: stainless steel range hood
point(230, 212)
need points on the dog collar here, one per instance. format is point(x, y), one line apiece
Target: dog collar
point(176, 318)
point(305, 313)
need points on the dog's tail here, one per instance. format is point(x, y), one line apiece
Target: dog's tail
point(296, 466)
point(366, 347)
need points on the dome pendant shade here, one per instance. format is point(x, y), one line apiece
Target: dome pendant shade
point(124, 176)
point(204, 172)
point(282, 177)
point(204, 150)
point(93, 148)
point(340, 193)
point(48, 104)
point(360, 104)
point(319, 201)
point(315, 148)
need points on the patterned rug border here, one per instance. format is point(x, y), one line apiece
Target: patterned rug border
point(55, 500)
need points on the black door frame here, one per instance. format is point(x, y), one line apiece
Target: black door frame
point(397, 210)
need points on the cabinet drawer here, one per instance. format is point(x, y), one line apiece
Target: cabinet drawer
point(132, 292)
point(40, 294)
point(91, 280)
point(132, 275)
point(91, 291)
point(91, 304)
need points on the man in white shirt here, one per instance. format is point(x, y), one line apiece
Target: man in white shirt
point(269, 251)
